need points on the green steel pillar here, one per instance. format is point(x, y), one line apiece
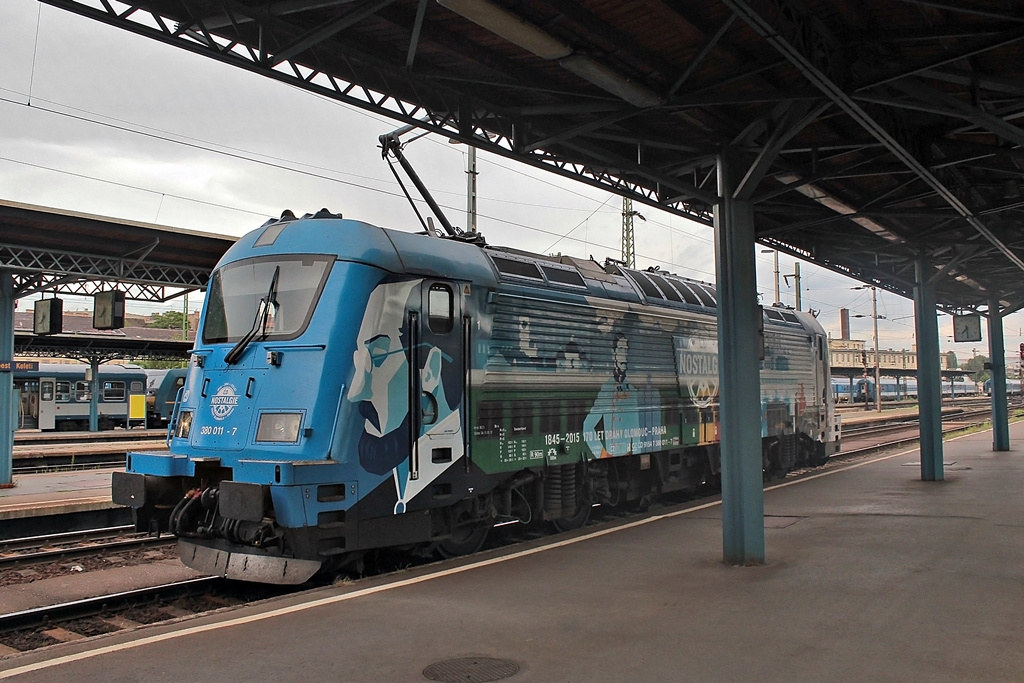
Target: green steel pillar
point(7, 420)
point(929, 387)
point(94, 395)
point(997, 352)
point(738, 374)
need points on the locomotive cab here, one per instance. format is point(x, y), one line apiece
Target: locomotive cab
point(302, 433)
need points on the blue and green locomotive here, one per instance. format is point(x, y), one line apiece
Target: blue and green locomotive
point(355, 388)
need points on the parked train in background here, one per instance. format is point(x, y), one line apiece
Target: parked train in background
point(354, 388)
point(162, 387)
point(57, 396)
point(860, 389)
point(1013, 387)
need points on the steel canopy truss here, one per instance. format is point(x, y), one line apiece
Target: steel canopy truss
point(237, 33)
point(873, 132)
point(99, 347)
point(26, 284)
point(47, 270)
point(47, 250)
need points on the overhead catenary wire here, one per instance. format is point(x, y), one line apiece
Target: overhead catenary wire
point(281, 163)
point(326, 174)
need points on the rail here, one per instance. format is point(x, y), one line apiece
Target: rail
point(21, 552)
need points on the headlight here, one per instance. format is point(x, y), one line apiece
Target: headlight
point(279, 427)
point(184, 424)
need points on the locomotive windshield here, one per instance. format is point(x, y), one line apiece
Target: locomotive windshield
point(236, 291)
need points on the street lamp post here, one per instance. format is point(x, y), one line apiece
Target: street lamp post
point(471, 193)
point(796, 284)
point(798, 304)
point(874, 317)
point(471, 175)
point(778, 296)
point(878, 379)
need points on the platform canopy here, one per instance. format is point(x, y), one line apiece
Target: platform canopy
point(873, 133)
point(52, 251)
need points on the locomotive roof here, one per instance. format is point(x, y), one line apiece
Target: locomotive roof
point(468, 258)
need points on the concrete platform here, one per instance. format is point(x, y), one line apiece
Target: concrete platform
point(24, 453)
point(54, 493)
point(872, 575)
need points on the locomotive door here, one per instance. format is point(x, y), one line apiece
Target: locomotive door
point(438, 398)
point(46, 406)
point(27, 395)
point(828, 422)
point(821, 380)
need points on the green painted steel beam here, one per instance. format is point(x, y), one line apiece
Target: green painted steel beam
point(929, 389)
point(739, 377)
point(7, 422)
point(997, 352)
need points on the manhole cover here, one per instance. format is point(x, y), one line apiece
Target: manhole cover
point(471, 670)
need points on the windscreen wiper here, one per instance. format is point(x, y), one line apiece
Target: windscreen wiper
point(259, 322)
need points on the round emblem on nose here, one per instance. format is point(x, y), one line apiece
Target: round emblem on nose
point(223, 402)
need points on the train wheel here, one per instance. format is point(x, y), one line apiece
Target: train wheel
point(470, 525)
point(577, 519)
point(465, 539)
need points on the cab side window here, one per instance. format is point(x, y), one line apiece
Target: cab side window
point(440, 304)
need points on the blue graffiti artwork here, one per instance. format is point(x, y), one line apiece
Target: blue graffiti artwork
point(613, 423)
point(381, 387)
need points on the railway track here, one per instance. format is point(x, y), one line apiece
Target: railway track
point(36, 452)
point(897, 423)
point(69, 612)
point(36, 438)
point(18, 553)
point(70, 462)
point(897, 433)
point(858, 406)
point(49, 625)
point(39, 627)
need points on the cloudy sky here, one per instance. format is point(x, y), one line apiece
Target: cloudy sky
point(97, 120)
